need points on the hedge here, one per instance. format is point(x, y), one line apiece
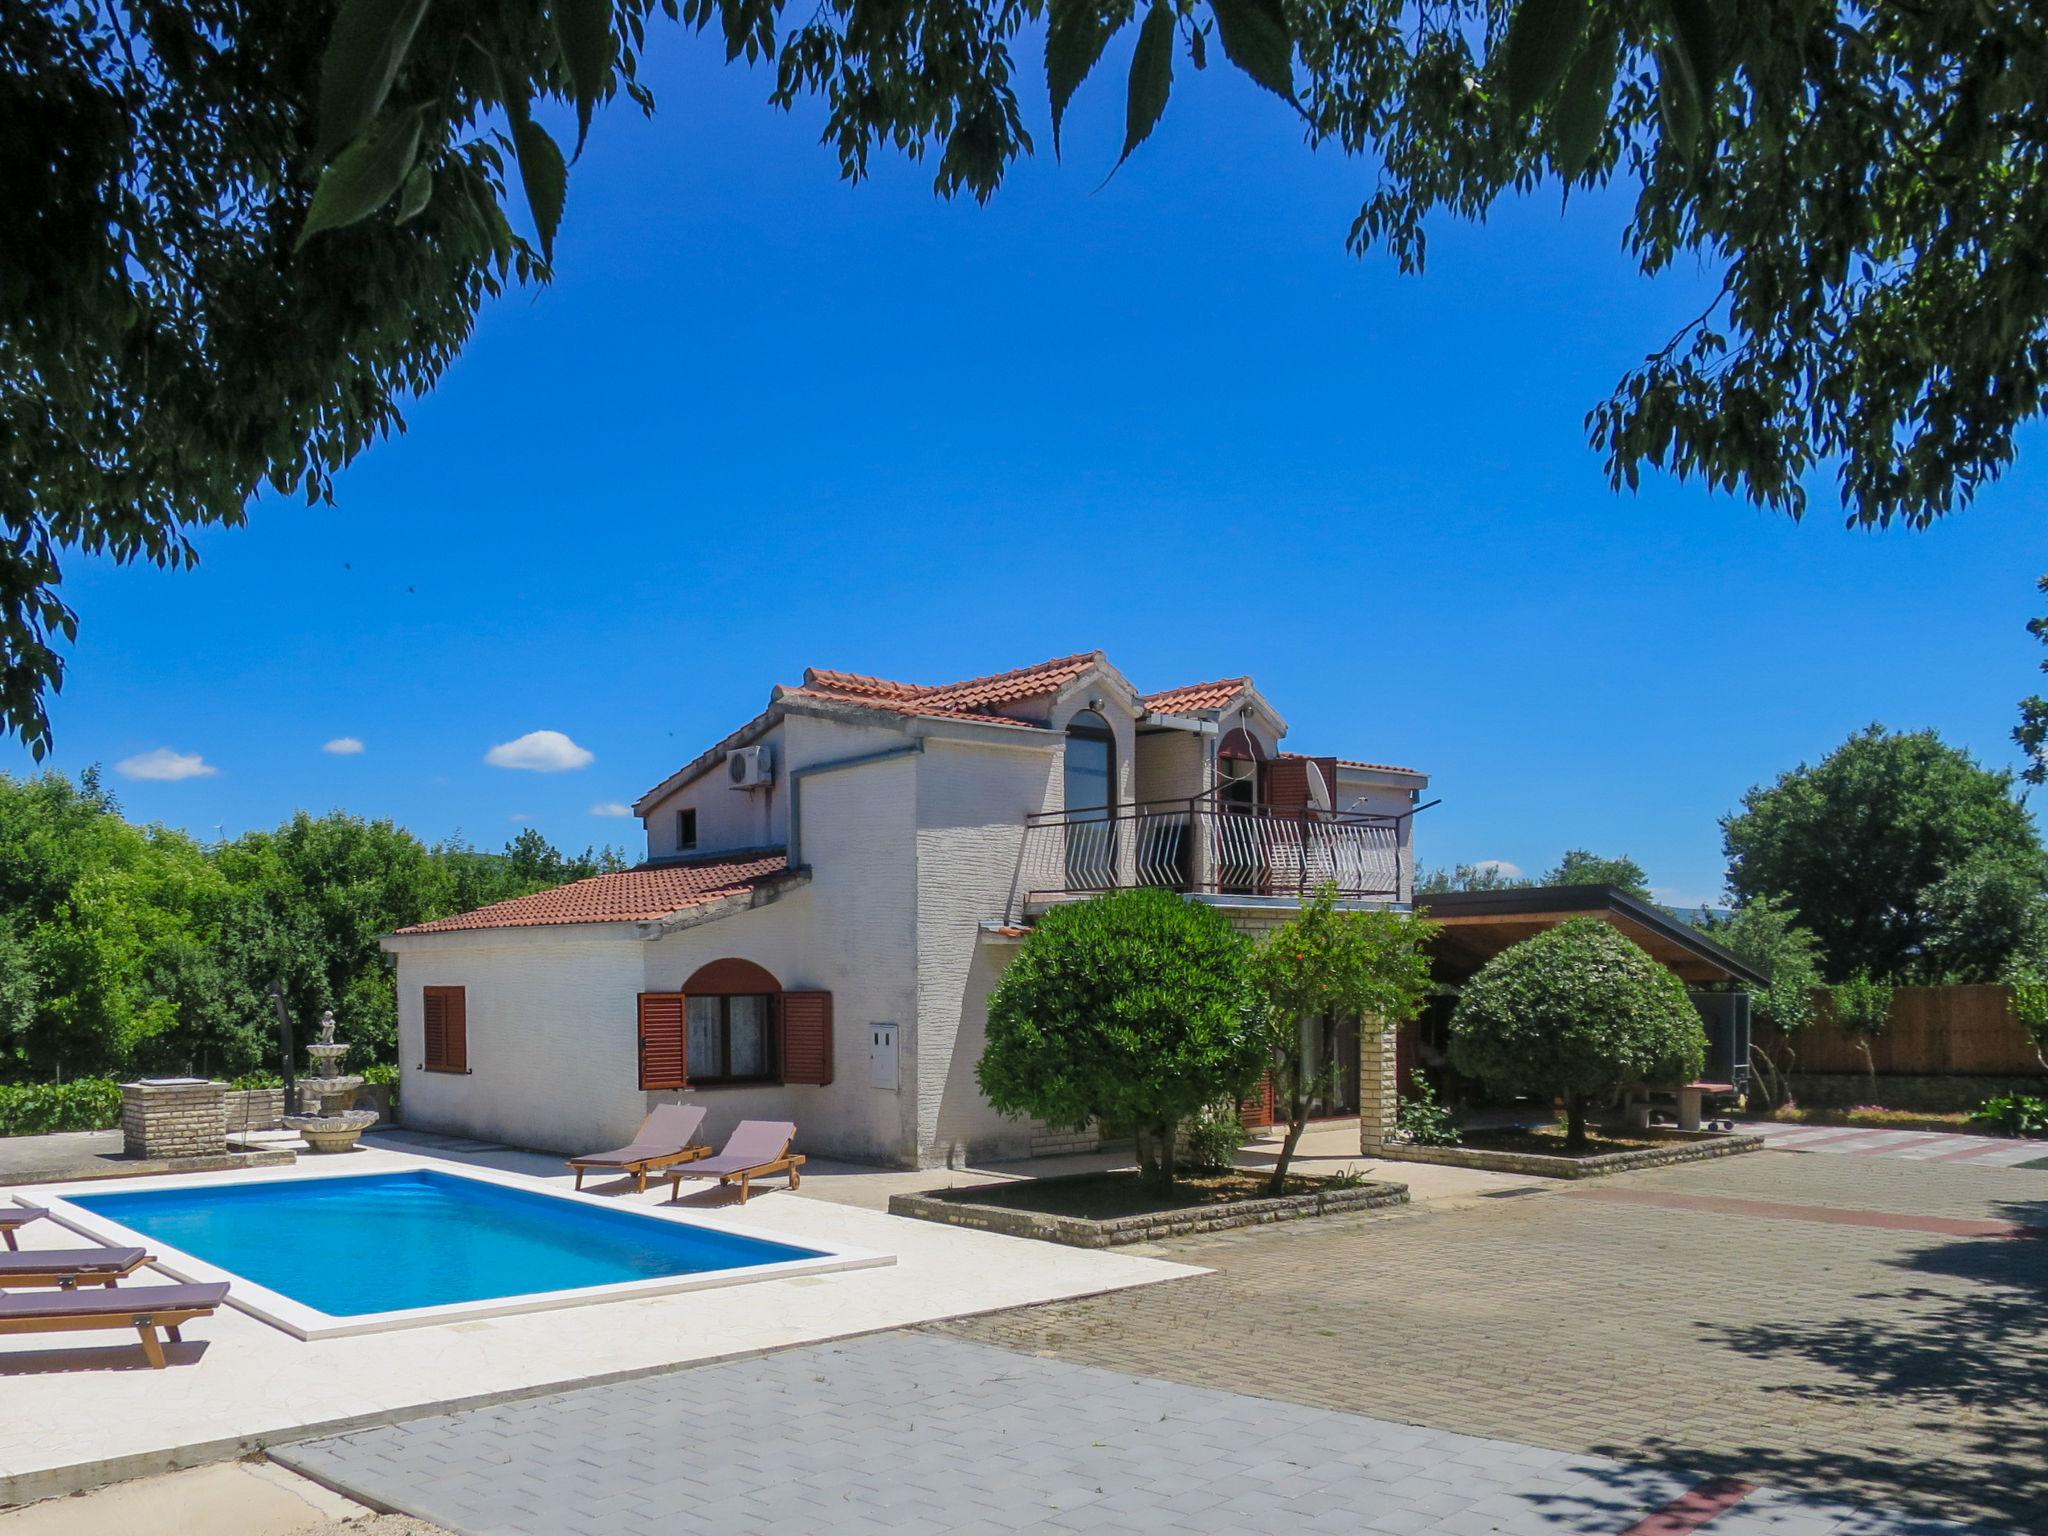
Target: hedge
point(84, 1104)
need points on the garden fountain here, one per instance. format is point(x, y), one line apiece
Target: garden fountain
point(327, 1118)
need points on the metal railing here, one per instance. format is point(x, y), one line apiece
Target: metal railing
point(1206, 846)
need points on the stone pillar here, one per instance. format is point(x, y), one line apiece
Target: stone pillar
point(168, 1117)
point(1378, 1087)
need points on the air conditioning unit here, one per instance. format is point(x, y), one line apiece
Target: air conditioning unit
point(750, 767)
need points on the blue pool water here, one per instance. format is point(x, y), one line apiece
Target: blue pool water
point(383, 1242)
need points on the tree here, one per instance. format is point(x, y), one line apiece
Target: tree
point(1881, 847)
point(2031, 734)
point(1578, 867)
point(1766, 934)
point(1133, 1008)
point(1369, 966)
point(240, 234)
point(1488, 875)
point(1862, 1010)
point(1579, 1013)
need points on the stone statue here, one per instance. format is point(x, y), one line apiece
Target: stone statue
point(327, 1027)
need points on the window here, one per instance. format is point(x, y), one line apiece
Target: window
point(1091, 798)
point(445, 1029)
point(686, 829)
point(732, 1039)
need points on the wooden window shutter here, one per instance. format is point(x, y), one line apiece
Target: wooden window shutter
point(664, 1040)
point(1255, 1110)
point(458, 1030)
point(1287, 786)
point(806, 1037)
point(445, 1029)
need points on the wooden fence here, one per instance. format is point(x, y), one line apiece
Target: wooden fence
point(1958, 1031)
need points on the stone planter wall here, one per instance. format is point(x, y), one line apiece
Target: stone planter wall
point(184, 1117)
point(381, 1097)
point(957, 1208)
point(1684, 1147)
point(253, 1109)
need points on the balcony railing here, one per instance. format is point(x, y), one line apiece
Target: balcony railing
point(1207, 847)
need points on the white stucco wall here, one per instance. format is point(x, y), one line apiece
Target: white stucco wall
point(972, 801)
point(553, 1051)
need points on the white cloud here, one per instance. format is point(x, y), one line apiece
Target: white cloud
point(344, 746)
point(540, 752)
point(520, 817)
point(610, 808)
point(1500, 867)
point(162, 763)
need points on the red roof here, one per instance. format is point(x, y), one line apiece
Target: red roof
point(1352, 762)
point(631, 896)
point(1196, 697)
point(974, 699)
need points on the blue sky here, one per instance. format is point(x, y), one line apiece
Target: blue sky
point(764, 419)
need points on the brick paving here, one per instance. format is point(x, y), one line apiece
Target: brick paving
point(1913, 1146)
point(915, 1434)
point(1849, 1360)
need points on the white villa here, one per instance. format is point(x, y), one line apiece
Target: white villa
point(831, 892)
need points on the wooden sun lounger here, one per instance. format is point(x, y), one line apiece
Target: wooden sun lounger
point(755, 1150)
point(145, 1308)
point(69, 1268)
point(662, 1141)
point(14, 1217)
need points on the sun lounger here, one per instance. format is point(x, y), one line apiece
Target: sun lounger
point(70, 1267)
point(662, 1142)
point(756, 1149)
point(145, 1308)
point(15, 1217)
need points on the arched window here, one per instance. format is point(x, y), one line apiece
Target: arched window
point(1238, 757)
point(732, 1023)
point(1091, 803)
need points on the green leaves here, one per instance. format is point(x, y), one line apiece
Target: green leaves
point(1076, 33)
point(1151, 78)
point(1580, 117)
point(416, 194)
point(1542, 39)
point(364, 177)
point(364, 53)
point(1255, 39)
point(583, 29)
point(545, 176)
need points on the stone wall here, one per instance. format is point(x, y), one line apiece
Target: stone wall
point(183, 1117)
point(253, 1109)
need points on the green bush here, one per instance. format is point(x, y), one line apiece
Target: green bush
point(83, 1104)
point(1421, 1119)
point(2014, 1114)
point(1577, 1013)
point(1209, 1142)
point(249, 1080)
point(381, 1074)
point(1134, 1008)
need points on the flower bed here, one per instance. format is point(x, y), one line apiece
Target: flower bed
point(1634, 1149)
point(1108, 1210)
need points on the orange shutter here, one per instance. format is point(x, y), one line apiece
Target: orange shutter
point(807, 1037)
point(1255, 1109)
point(664, 1040)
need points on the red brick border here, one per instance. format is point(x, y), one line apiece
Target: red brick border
point(1827, 1215)
point(1693, 1508)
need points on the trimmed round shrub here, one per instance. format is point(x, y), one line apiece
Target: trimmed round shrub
point(1579, 1013)
point(1134, 1008)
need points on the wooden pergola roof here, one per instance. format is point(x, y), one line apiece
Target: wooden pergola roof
point(1474, 926)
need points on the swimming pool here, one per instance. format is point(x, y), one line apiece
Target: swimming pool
point(345, 1253)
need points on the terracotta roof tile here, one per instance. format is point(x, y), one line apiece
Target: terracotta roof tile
point(632, 896)
point(1196, 697)
point(973, 699)
point(1352, 762)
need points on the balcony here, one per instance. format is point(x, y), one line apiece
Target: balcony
point(1206, 847)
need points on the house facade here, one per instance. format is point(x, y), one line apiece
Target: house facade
point(832, 891)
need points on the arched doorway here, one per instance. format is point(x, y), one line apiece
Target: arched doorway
point(732, 1023)
point(1090, 803)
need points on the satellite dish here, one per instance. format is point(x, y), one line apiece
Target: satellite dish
point(1319, 788)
